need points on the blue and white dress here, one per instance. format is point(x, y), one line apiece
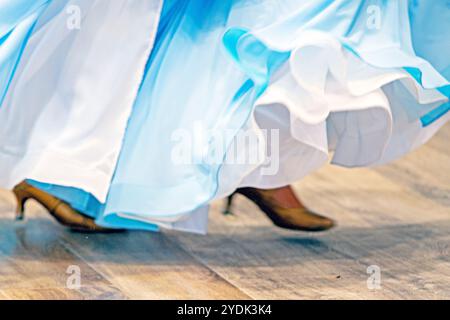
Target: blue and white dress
point(136, 115)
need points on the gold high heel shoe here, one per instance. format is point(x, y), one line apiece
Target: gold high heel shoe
point(288, 218)
point(60, 210)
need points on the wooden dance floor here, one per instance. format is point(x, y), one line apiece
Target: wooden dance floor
point(395, 219)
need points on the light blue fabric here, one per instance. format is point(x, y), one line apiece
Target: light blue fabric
point(17, 20)
point(208, 68)
point(432, 43)
point(89, 205)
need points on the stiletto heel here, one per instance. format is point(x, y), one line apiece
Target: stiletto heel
point(21, 196)
point(227, 210)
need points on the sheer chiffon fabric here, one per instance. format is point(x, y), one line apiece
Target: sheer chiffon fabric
point(67, 104)
point(360, 82)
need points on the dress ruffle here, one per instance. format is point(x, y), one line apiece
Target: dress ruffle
point(367, 104)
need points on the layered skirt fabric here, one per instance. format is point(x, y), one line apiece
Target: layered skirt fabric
point(144, 112)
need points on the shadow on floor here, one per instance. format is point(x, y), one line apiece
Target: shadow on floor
point(246, 246)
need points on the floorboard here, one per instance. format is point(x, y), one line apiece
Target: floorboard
point(394, 218)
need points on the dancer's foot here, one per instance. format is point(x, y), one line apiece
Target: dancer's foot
point(284, 209)
point(60, 210)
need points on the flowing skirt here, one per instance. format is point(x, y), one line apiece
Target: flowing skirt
point(225, 94)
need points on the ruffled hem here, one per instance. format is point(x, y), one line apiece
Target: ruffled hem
point(359, 104)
